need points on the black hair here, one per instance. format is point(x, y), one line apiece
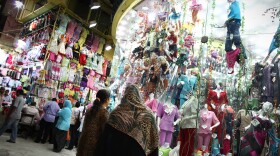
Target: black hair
point(54, 99)
point(60, 105)
point(101, 97)
point(78, 104)
point(20, 92)
point(33, 104)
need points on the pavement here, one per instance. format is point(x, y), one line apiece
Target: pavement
point(27, 147)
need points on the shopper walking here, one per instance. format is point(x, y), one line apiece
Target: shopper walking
point(14, 116)
point(94, 122)
point(75, 124)
point(62, 126)
point(47, 122)
point(131, 129)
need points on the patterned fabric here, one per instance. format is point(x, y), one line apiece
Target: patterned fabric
point(133, 118)
point(253, 141)
point(92, 129)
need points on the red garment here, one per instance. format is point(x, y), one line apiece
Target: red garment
point(187, 138)
point(172, 38)
point(212, 98)
point(83, 59)
point(9, 60)
point(231, 57)
point(226, 146)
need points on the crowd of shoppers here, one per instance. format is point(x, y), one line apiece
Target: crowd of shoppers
point(130, 129)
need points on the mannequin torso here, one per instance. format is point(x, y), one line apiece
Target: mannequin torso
point(189, 113)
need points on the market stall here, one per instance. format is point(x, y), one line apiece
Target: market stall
point(56, 56)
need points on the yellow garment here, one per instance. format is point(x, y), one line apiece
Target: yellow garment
point(189, 26)
point(83, 37)
point(101, 45)
point(67, 92)
point(72, 92)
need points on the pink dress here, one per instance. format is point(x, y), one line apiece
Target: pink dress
point(207, 119)
point(195, 6)
point(95, 44)
point(70, 29)
point(153, 104)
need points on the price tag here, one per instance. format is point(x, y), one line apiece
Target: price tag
point(204, 126)
point(255, 122)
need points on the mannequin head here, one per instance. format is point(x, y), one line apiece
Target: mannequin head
point(267, 107)
point(214, 135)
point(205, 107)
point(151, 96)
point(219, 86)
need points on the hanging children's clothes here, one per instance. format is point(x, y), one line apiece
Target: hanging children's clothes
point(100, 46)
point(71, 29)
point(83, 37)
point(61, 46)
point(64, 19)
point(77, 33)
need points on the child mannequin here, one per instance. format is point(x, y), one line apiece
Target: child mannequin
point(167, 114)
point(207, 119)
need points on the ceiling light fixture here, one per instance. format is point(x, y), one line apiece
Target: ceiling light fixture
point(92, 24)
point(108, 47)
point(95, 5)
point(145, 8)
point(18, 4)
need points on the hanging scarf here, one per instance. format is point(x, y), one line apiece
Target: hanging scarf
point(133, 118)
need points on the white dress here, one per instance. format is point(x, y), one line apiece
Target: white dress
point(99, 65)
point(94, 62)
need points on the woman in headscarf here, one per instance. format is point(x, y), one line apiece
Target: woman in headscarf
point(62, 126)
point(131, 129)
point(94, 123)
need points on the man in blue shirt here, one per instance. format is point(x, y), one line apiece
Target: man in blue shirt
point(233, 24)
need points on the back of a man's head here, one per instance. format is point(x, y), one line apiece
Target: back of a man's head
point(19, 92)
point(33, 104)
point(54, 99)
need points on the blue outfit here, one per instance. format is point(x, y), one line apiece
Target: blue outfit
point(64, 115)
point(174, 16)
point(275, 43)
point(233, 24)
point(215, 149)
point(234, 11)
point(188, 87)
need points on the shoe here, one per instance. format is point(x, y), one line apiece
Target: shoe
point(43, 142)
point(11, 141)
point(69, 148)
point(37, 141)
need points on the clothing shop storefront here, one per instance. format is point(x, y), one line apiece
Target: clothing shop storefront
point(56, 56)
point(204, 69)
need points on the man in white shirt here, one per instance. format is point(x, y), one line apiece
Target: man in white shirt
point(32, 110)
point(7, 99)
point(13, 117)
